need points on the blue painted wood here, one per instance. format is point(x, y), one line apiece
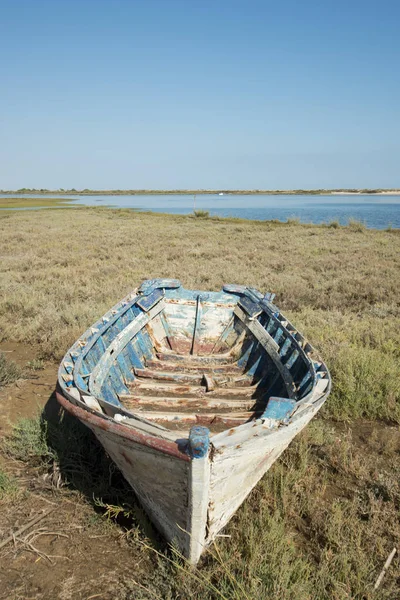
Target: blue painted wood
point(123, 366)
point(243, 360)
point(232, 288)
point(285, 347)
point(150, 285)
point(270, 325)
point(108, 393)
point(250, 307)
point(128, 374)
point(269, 296)
point(147, 302)
point(253, 294)
point(96, 351)
point(292, 359)
point(278, 334)
point(305, 379)
point(81, 382)
point(116, 380)
point(254, 367)
point(89, 362)
point(217, 297)
point(279, 409)
point(145, 344)
point(135, 356)
point(199, 441)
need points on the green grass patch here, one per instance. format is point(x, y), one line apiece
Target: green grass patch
point(28, 441)
point(357, 226)
point(9, 370)
point(34, 202)
point(8, 488)
point(201, 214)
point(37, 364)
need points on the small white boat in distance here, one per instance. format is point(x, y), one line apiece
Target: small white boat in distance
point(221, 194)
point(194, 395)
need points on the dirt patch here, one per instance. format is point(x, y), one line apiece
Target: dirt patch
point(73, 552)
point(70, 554)
point(334, 495)
point(28, 395)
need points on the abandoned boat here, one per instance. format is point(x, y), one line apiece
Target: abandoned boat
point(193, 395)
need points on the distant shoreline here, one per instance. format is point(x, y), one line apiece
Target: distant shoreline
point(87, 192)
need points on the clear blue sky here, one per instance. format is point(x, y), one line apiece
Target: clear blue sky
point(199, 93)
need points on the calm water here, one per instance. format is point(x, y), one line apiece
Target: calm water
point(375, 211)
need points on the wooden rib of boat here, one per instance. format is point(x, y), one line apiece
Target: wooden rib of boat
point(193, 395)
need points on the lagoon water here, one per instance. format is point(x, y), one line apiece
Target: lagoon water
point(377, 211)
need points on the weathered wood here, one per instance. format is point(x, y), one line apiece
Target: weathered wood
point(27, 525)
point(164, 434)
point(190, 489)
point(198, 492)
point(204, 402)
point(385, 568)
point(191, 378)
point(103, 366)
point(164, 389)
point(230, 419)
point(221, 359)
point(166, 365)
point(242, 456)
point(159, 481)
point(196, 328)
point(271, 347)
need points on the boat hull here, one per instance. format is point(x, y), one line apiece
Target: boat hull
point(191, 500)
point(166, 361)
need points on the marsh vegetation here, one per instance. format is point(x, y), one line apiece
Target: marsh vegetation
point(322, 522)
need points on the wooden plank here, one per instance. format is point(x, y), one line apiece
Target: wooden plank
point(151, 428)
point(192, 378)
point(231, 419)
point(164, 321)
point(159, 481)
point(279, 409)
point(196, 328)
point(102, 368)
point(132, 401)
point(271, 347)
point(223, 359)
point(164, 389)
point(241, 457)
point(198, 492)
point(222, 338)
point(166, 365)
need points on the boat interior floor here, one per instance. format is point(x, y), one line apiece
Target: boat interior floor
point(179, 391)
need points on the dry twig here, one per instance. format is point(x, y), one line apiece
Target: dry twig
point(21, 530)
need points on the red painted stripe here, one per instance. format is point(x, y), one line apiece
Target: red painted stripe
point(121, 430)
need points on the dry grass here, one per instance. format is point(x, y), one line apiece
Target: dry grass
point(9, 370)
point(324, 519)
point(319, 525)
point(61, 270)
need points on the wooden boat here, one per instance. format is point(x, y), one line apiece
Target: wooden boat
point(193, 395)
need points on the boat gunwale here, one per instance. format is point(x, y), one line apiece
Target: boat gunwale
point(128, 432)
point(89, 337)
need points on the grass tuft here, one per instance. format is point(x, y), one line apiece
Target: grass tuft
point(357, 226)
point(334, 224)
point(293, 220)
point(201, 214)
point(9, 371)
point(8, 488)
point(28, 441)
point(37, 364)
